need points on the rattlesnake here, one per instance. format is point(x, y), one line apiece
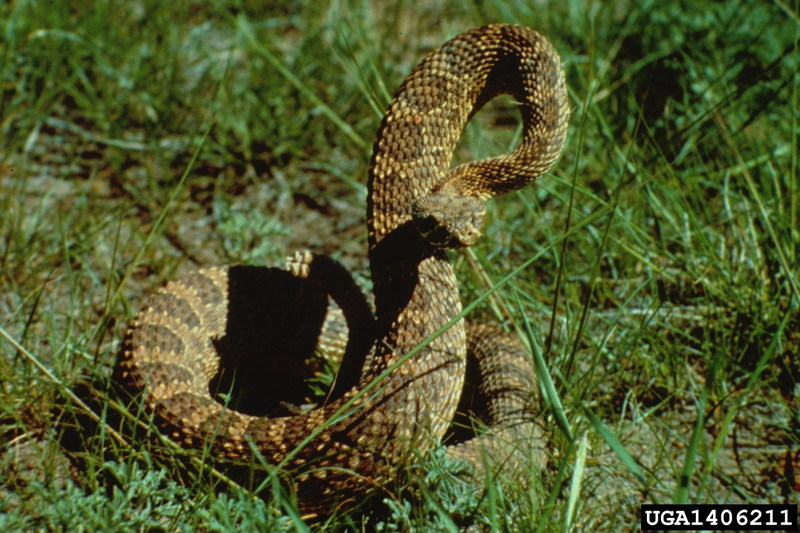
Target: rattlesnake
point(409, 387)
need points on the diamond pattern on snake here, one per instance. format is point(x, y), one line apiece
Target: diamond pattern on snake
point(397, 401)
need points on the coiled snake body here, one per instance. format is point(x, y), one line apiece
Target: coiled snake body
point(406, 395)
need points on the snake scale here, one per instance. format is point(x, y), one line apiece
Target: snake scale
point(407, 392)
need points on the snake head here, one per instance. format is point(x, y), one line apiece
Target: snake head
point(449, 220)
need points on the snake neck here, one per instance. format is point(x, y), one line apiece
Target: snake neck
point(415, 299)
point(419, 132)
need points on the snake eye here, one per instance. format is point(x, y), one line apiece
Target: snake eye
point(449, 220)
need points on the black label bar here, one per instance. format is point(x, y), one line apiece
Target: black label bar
point(719, 517)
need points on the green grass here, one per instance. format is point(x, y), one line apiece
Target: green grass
point(660, 287)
